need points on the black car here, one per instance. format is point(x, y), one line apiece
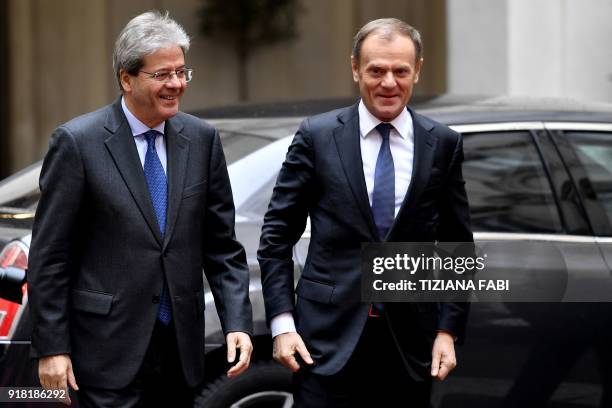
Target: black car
point(538, 172)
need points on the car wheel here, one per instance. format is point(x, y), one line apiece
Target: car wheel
point(264, 384)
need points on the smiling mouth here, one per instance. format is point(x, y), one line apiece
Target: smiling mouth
point(388, 99)
point(168, 98)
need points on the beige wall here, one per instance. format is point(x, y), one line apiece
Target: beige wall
point(62, 51)
point(59, 50)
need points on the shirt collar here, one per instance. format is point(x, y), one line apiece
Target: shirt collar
point(367, 122)
point(137, 127)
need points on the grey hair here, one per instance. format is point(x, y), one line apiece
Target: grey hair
point(143, 35)
point(387, 28)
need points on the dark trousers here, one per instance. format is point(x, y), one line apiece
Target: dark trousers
point(160, 381)
point(373, 377)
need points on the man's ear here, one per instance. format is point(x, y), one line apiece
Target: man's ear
point(417, 70)
point(355, 68)
point(125, 80)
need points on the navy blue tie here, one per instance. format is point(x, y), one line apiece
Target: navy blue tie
point(158, 189)
point(383, 195)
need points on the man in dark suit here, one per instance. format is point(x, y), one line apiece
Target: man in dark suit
point(135, 201)
point(375, 171)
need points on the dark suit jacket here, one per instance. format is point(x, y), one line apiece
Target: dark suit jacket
point(322, 177)
point(97, 259)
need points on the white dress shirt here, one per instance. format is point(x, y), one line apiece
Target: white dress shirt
point(138, 128)
point(401, 141)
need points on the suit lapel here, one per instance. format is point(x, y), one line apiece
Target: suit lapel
point(421, 166)
point(123, 150)
point(178, 151)
point(347, 143)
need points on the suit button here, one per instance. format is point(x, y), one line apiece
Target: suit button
point(155, 299)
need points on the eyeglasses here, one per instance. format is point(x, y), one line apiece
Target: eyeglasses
point(183, 74)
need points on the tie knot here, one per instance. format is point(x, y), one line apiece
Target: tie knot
point(384, 129)
point(150, 136)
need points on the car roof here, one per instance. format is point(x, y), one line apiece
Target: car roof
point(455, 110)
point(447, 108)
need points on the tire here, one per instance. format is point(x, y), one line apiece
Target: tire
point(265, 384)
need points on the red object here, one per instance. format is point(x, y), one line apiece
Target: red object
point(373, 312)
point(13, 255)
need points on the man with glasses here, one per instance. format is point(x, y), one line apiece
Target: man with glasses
point(135, 201)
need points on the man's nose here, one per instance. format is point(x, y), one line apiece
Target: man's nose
point(388, 80)
point(173, 81)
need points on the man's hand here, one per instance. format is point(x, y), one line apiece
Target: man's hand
point(285, 347)
point(242, 341)
point(55, 373)
point(443, 355)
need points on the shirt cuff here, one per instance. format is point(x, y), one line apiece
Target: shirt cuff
point(282, 323)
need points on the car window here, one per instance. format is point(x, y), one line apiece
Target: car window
point(20, 191)
point(237, 145)
point(242, 136)
point(507, 185)
point(594, 151)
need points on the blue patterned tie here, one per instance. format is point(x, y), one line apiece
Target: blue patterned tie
point(383, 195)
point(158, 189)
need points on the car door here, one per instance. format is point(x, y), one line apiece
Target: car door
point(586, 149)
point(524, 204)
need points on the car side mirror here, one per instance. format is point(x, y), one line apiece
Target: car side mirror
point(11, 283)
